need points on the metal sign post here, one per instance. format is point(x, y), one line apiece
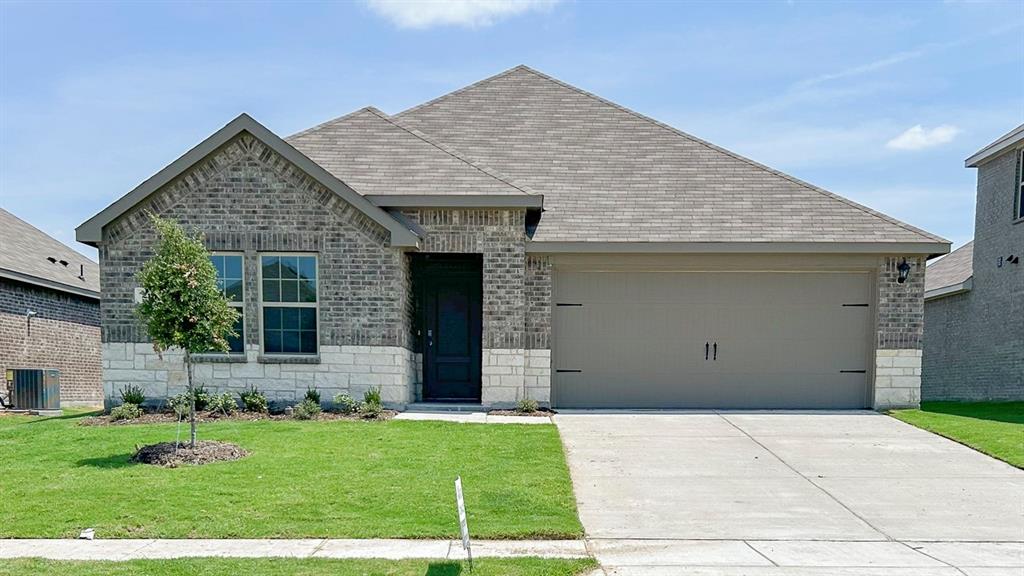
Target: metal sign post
point(463, 526)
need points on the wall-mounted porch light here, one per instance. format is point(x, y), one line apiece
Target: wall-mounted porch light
point(904, 270)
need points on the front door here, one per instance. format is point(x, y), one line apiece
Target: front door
point(451, 327)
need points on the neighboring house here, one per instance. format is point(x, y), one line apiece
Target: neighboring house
point(523, 238)
point(49, 310)
point(974, 299)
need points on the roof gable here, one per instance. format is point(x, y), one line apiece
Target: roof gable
point(953, 270)
point(26, 253)
point(609, 174)
point(91, 232)
point(378, 156)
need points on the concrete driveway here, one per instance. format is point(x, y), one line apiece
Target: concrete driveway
point(784, 493)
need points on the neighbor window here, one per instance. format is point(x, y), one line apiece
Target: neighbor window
point(231, 285)
point(1018, 207)
point(288, 303)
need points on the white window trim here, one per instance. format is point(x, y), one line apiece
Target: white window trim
point(240, 306)
point(314, 305)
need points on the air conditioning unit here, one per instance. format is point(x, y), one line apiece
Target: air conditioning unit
point(33, 389)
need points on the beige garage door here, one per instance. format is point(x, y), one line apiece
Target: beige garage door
point(711, 339)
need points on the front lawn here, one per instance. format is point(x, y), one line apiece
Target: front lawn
point(303, 567)
point(340, 479)
point(995, 428)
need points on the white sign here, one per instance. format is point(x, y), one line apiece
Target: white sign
point(463, 526)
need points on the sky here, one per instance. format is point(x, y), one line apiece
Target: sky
point(880, 102)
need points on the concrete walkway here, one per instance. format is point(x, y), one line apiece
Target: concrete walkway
point(472, 417)
point(303, 548)
point(789, 493)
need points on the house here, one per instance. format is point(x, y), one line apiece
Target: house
point(49, 310)
point(974, 297)
point(521, 237)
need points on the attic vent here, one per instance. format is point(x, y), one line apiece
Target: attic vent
point(63, 263)
point(51, 259)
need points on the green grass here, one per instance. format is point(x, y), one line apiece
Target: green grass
point(303, 567)
point(342, 479)
point(995, 428)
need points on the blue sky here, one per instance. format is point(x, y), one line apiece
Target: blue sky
point(880, 102)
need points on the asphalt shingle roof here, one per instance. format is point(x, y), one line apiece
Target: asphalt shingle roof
point(609, 174)
point(24, 250)
point(376, 155)
point(952, 269)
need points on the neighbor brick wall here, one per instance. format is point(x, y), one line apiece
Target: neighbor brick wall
point(64, 334)
point(974, 342)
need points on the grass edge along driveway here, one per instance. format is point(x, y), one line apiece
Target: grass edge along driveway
point(303, 567)
point(337, 479)
point(993, 428)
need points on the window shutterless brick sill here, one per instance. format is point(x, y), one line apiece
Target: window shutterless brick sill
point(288, 359)
point(219, 358)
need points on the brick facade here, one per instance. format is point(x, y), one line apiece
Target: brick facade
point(247, 199)
point(898, 334)
point(64, 334)
point(974, 342)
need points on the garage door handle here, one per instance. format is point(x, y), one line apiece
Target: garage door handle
point(707, 349)
point(715, 357)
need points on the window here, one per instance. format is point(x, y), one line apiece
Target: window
point(1018, 206)
point(288, 301)
point(231, 285)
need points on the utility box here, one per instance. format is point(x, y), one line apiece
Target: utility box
point(33, 389)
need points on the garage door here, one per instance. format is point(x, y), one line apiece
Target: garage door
point(711, 339)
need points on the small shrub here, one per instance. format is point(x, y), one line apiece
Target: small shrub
point(306, 410)
point(126, 412)
point(132, 394)
point(313, 394)
point(180, 404)
point(372, 406)
point(223, 403)
point(372, 396)
point(202, 397)
point(345, 404)
point(253, 400)
point(527, 406)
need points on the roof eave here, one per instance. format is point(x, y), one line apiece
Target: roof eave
point(91, 231)
point(534, 201)
point(44, 283)
point(930, 249)
point(1007, 141)
point(950, 290)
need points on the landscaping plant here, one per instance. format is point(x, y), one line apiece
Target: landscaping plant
point(181, 304)
point(125, 412)
point(527, 406)
point(180, 404)
point(306, 410)
point(345, 404)
point(132, 394)
point(253, 400)
point(372, 407)
point(202, 397)
point(313, 394)
point(223, 403)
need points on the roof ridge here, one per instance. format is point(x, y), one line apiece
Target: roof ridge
point(465, 88)
point(711, 146)
point(455, 153)
point(330, 122)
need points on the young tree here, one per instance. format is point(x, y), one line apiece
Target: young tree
point(181, 304)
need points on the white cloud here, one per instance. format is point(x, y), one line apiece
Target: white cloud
point(918, 137)
point(468, 13)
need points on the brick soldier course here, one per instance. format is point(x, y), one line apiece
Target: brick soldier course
point(367, 192)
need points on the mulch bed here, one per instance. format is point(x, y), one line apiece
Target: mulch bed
point(170, 418)
point(170, 455)
point(539, 413)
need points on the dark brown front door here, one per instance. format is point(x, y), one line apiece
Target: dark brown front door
point(451, 327)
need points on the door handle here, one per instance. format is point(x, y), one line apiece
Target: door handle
point(707, 348)
point(430, 338)
point(716, 352)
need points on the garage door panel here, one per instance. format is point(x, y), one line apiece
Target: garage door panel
point(784, 340)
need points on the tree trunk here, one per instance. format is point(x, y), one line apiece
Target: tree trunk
point(192, 401)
